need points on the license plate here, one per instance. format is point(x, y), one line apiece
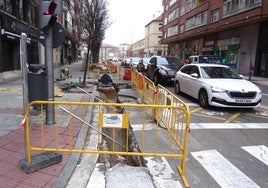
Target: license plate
point(243, 100)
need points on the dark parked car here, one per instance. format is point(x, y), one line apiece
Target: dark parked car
point(162, 69)
point(142, 66)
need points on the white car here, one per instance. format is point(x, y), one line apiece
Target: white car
point(216, 85)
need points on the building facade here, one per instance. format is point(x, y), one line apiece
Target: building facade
point(21, 16)
point(233, 29)
point(153, 38)
point(108, 51)
point(17, 17)
point(151, 44)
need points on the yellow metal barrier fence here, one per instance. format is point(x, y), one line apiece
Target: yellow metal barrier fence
point(71, 117)
point(144, 86)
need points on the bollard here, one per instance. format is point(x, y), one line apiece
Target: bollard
point(127, 75)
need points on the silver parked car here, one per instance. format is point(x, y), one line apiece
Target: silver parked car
point(216, 85)
point(134, 61)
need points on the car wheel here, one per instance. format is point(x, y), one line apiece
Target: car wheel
point(177, 88)
point(203, 98)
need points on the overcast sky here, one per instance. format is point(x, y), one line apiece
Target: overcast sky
point(128, 18)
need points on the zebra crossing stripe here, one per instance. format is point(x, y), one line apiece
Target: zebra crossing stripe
point(161, 172)
point(224, 173)
point(137, 127)
point(229, 126)
point(260, 152)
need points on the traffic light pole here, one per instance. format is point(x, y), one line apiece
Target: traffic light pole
point(50, 111)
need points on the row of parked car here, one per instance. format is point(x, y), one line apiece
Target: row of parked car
point(211, 84)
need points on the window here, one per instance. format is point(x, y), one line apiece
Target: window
point(189, 24)
point(173, 15)
point(171, 2)
point(187, 70)
point(200, 19)
point(182, 10)
point(32, 14)
point(160, 25)
point(196, 21)
point(231, 7)
point(215, 16)
point(6, 5)
point(249, 2)
point(172, 31)
point(190, 4)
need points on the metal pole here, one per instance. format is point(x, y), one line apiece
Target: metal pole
point(50, 111)
point(23, 65)
point(24, 71)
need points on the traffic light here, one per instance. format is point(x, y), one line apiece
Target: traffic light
point(48, 10)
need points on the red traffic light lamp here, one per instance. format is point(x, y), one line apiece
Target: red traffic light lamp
point(47, 16)
point(51, 9)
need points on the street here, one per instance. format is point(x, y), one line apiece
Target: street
point(227, 147)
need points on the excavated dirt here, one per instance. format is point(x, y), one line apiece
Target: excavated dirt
point(110, 95)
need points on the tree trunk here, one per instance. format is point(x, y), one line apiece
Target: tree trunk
point(86, 68)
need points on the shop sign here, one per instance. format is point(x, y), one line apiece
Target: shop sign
point(226, 42)
point(207, 49)
point(223, 48)
point(209, 43)
point(10, 24)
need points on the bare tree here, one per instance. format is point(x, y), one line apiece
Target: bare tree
point(94, 22)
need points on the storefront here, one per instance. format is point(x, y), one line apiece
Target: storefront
point(228, 50)
point(10, 44)
point(209, 44)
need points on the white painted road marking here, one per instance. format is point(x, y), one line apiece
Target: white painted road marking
point(224, 173)
point(97, 178)
point(260, 152)
point(138, 127)
point(229, 126)
point(161, 172)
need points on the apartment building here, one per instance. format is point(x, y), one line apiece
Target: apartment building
point(153, 38)
point(137, 49)
point(151, 44)
point(108, 51)
point(234, 29)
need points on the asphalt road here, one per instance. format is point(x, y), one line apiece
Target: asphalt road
point(227, 147)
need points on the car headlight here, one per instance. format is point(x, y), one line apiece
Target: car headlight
point(217, 89)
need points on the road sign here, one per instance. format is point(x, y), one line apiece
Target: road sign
point(59, 34)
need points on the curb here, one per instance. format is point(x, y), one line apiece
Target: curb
point(70, 166)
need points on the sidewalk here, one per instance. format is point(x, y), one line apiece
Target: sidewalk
point(12, 137)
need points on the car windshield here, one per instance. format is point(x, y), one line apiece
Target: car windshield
point(167, 61)
point(218, 72)
point(135, 59)
point(145, 60)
